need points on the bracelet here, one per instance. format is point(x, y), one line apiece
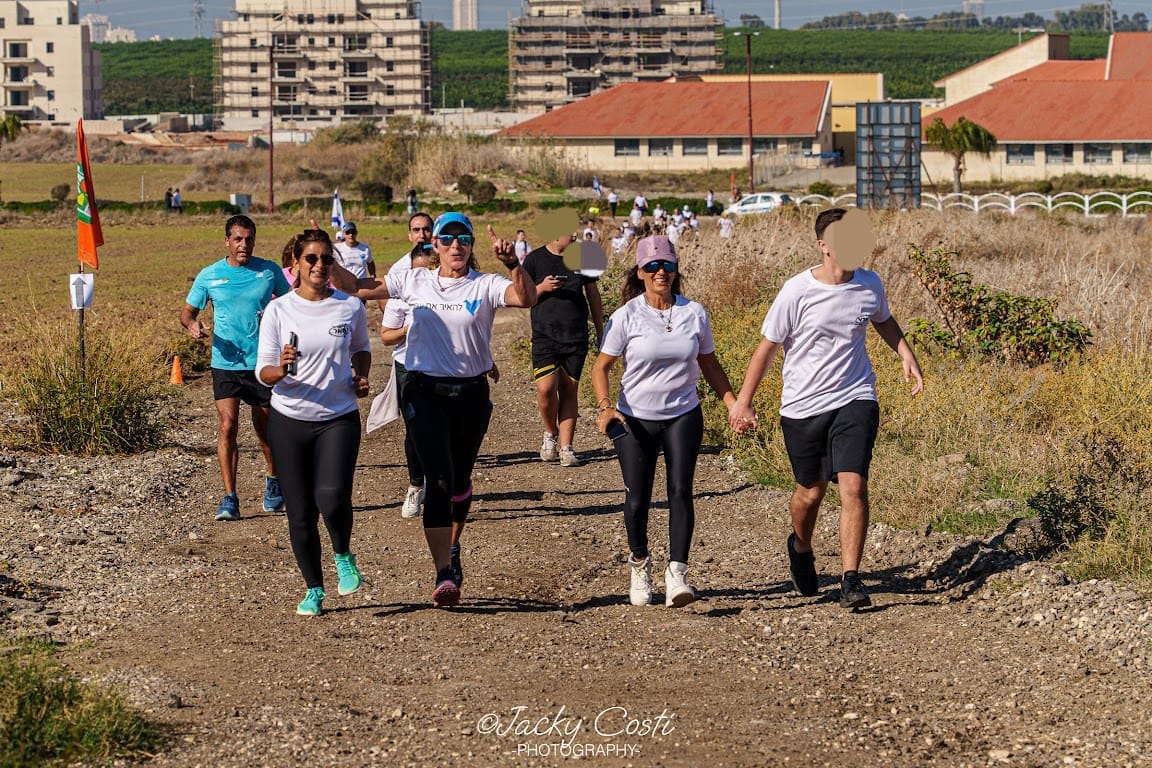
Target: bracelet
point(601, 400)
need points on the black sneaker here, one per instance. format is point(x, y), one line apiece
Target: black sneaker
point(803, 568)
point(852, 592)
point(446, 593)
point(457, 569)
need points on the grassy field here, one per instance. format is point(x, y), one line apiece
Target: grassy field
point(30, 182)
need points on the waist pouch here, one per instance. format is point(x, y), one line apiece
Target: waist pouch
point(446, 387)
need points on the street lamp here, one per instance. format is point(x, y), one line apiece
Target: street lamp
point(748, 67)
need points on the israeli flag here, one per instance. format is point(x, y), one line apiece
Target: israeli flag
point(337, 212)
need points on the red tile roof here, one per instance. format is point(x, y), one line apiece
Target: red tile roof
point(687, 109)
point(1130, 56)
point(1065, 111)
point(1058, 69)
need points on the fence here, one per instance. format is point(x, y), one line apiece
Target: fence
point(1097, 203)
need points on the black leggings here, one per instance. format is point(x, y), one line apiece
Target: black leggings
point(411, 457)
point(447, 419)
point(680, 440)
point(316, 461)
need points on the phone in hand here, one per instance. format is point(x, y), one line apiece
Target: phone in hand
point(617, 429)
point(290, 369)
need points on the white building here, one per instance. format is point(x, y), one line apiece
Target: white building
point(464, 15)
point(50, 72)
point(322, 61)
point(102, 30)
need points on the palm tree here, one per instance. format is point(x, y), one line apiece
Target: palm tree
point(10, 128)
point(958, 139)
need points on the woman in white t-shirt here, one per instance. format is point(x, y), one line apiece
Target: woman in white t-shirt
point(444, 400)
point(314, 352)
point(667, 342)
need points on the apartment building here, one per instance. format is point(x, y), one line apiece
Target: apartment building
point(561, 51)
point(50, 72)
point(322, 61)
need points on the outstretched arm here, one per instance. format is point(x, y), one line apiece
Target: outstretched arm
point(889, 330)
point(522, 292)
point(362, 288)
point(742, 415)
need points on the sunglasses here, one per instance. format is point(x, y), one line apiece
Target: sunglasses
point(464, 240)
point(653, 267)
point(312, 258)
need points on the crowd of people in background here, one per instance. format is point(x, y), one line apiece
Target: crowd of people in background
point(292, 342)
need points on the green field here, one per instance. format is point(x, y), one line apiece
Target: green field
point(30, 182)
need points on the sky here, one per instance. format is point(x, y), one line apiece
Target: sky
point(173, 18)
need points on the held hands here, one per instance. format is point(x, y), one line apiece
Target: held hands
point(502, 249)
point(742, 418)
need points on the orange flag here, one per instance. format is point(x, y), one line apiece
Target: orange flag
point(89, 236)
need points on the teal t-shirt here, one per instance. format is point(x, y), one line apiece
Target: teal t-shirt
point(238, 296)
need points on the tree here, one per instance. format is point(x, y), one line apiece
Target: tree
point(959, 139)
point(10, 128)
point(751, 21)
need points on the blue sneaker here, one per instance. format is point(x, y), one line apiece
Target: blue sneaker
point(273, 498)
point(229, 508)
point(310, 605)
point(350, 579)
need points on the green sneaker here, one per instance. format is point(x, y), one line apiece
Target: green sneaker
point(310, 605)
point(350, 579)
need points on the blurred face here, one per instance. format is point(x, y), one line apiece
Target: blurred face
point(240, 241)
point(454, 256)
point(420, 230)
point(313, 264)
point(350, 236)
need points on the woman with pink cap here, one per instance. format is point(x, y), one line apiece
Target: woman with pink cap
point(667, 342)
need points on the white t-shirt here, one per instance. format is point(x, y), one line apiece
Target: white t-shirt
point(661, 370)
point(725, 227)
point(613, 198)
point(637, 215)
point(522, 249)
point(328, 333)
point(397, 312)
point(822, 329)
point(354, 258)
point(450, 330)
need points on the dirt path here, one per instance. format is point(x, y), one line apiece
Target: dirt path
point(545, 662)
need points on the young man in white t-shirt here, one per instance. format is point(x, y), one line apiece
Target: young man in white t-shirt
point(829, 412)
point(353, 255)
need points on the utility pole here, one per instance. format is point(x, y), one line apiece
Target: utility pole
point(748, 66)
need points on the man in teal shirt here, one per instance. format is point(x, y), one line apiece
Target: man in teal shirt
point(239, 287)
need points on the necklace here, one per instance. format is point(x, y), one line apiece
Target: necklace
point(665, 318)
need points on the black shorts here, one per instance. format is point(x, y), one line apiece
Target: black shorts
point(549, 356)
point(242, 384)
point(837, 441)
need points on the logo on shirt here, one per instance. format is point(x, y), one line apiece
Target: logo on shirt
point(472, 305)
point(218, 281)
point(339, 331)
point(861, 320)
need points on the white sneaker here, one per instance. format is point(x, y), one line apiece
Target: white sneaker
point(413, 501)
point(677, 593)
point(640, 593)
point(568, 457)
point(548, 448)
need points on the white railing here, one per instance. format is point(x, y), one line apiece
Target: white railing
point(1097, 203)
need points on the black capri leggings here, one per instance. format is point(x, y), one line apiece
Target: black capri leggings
point(447, 419)
point(411, 458)
point(680, 440)
point(315, 461)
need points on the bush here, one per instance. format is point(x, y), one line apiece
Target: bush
point(983, 321)
point(195, 354)
point(46, 716)
point(821, 188)
point(111, 405)
point(466, 185)
point(60, 192)
point(483, 192)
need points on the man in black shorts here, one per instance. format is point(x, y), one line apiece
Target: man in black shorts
point(829, 412)
point(239, 287)
point(565, 300)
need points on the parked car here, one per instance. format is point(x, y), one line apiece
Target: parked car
point(759, 202)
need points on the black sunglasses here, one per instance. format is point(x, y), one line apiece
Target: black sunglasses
point(653, 267)
point(464, 240)
point(312, 258)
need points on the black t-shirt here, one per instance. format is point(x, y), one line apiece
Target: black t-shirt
point(560, 315)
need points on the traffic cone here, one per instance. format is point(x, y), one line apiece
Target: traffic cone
point(177, 374)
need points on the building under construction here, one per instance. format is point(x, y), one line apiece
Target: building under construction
point(322, 61)
point(563, 50)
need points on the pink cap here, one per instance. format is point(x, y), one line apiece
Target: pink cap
point(654, 248)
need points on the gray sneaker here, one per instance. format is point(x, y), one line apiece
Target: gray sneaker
point(548, 448)
point(568, 457)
